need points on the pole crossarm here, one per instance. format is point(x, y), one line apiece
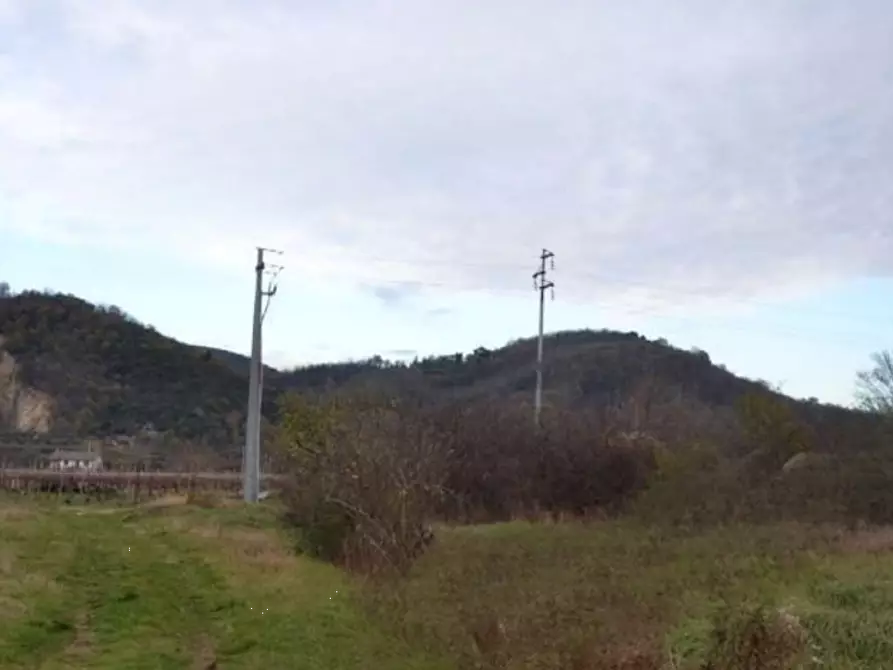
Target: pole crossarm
point(541, 284)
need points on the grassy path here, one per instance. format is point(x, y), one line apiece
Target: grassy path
point(175, 589)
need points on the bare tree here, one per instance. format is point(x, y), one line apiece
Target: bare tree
point(874, 388)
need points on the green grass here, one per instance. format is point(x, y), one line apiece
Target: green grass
point(181, 587)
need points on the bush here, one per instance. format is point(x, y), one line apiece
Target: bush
point(501, 467)
point(365, 474)
point(692, 486)
point(849, 488)
point(696, 486)
point(772, 433)
point(363, 477)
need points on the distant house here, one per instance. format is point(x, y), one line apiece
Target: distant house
point(75, 461)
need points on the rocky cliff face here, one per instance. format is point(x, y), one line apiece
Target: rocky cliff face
point(22, 409)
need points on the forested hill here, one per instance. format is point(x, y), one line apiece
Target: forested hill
point(580, 366)
point(108, 374)
point(105, 373)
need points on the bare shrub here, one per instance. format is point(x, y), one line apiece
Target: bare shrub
point(697, 486)
point(501, 467)
point(363, 476)
point(702, 483)
point(692, 486)
point(758, 638)
point(772, 433)
point(849, 488)
point(365, 473)
point(874, 388)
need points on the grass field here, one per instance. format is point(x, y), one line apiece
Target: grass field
point(618, 595)
point(180, 587)
point(188, 587)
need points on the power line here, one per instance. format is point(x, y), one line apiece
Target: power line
point(663, 295)
point(703, 292)
point(655, 312)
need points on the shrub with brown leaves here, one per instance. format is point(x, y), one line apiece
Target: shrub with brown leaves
point(363, 477)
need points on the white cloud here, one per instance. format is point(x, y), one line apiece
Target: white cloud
point(10, 11)
point(738, 146)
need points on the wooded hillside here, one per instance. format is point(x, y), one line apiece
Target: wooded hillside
point(109, 374)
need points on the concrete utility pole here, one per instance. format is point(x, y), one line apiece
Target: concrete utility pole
point(251, 456)
point(541, 284)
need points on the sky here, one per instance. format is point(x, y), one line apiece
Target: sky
point(717, 174)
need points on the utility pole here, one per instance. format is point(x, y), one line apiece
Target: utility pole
point(251, 455)
point(541, 284)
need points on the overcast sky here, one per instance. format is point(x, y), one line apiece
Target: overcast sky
point(715, 172)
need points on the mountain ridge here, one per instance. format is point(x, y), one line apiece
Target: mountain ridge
point(106, 373)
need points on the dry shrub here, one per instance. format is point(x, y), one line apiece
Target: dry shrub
point(771, 432)
point(363, 476)
point(758, 638)
point(501, 467)
point(695, 484)
point(852, 488)
point(366, 473)
point(703, 488)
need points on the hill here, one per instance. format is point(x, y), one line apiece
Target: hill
point(68, 367)
point(583, 366)
point(96, 371)
point(238, 363)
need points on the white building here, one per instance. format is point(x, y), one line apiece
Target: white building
point(75, 461)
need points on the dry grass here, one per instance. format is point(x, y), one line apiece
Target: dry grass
point(211, 499)
point(204, 587)
point(169, 500)
point(874, 540)
point(81, 645)
point(258, 550)
point(759, 638)
point(10, 512)
point(11, 607)
point(205, 656)
point(591, 596)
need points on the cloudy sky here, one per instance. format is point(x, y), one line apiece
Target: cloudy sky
point(716, 173)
